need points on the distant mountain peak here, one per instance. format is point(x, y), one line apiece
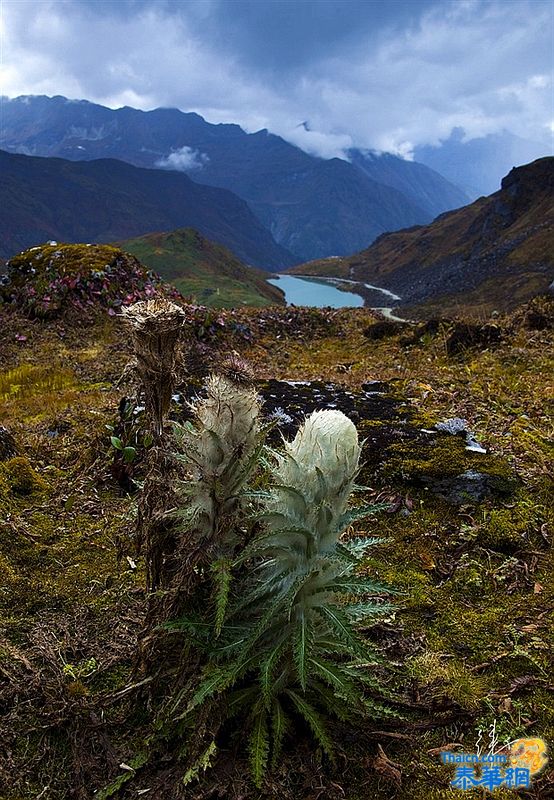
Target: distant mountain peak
point(311, 206)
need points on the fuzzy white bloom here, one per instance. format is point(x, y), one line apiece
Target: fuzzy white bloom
point(326, 445)
point(231, 413)
point(312, 482)
point(217, 451)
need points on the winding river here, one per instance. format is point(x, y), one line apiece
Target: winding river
point(320, 292)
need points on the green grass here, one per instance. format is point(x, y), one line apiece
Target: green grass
point(207, 272)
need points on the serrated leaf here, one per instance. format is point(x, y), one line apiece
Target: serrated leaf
point(267, 670)
point(352, 584)
point(259, 747)
point(240, 700)
point(315, 722)
point(362, 611)
point(344, 554)
point(360, 544)
point(215, 682)
point(359, 513)
point(201, 763)
point(279, 726)
point(339, 622)
point(301, 646)
point(221, 570)
point(334, 704)
point(378, 710)
point(334, 676)
point(276, 539)
point(296, 498)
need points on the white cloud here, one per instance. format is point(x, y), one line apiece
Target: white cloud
point(483, 65)
point(184, 159)
point(326, 145)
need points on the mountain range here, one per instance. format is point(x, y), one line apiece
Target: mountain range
point(492, 254)
point(107, 200)
point(311, 206)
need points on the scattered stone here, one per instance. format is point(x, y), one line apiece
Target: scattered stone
point(383, 329)
point(431, 327)
point(471, 486)
point(465, 336)
point(376, 387)
point(458, 427)
point(537, 321)
point(454, 426)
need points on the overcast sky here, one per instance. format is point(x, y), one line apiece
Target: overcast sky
point(383, 74)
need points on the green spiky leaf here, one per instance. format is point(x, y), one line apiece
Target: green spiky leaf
point(258, 746)
point(358, 546)
point(362, 512)
point(279, 726)
point(240, 700)
point(216, 680)
point(352, 584)
point(341, 625)
point(336, 677)
point(301, 648)
point(221, 571)
point(267, 671)
point(315, 722)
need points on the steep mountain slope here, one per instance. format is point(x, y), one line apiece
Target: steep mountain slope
point(207, 271)
point(331, 209)
point(423, 186)
point(492, 254)
point(104, 200)
point(303, 200)
point(479, 164)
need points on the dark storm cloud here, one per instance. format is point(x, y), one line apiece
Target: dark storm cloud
point(284, 35)
point(383, 74)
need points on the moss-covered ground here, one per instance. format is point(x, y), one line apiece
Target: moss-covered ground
point(467, 652)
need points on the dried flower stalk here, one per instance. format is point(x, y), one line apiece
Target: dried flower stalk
point(156, 326)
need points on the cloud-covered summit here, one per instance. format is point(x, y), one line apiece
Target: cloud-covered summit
point(387, 76)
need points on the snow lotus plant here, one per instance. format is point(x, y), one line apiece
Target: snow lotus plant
point(283, 641)
point(219, 452)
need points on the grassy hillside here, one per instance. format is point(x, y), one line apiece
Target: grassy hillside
point(337, 267)
point(206, 271)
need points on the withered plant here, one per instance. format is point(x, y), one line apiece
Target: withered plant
point(155, 328)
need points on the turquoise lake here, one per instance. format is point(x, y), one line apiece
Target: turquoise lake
point(318, 294)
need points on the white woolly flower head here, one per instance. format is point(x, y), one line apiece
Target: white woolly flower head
point(325, 446)
point(227, 426)
point(230, 411)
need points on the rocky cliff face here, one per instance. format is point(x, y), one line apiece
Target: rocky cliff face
point(492, 254)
